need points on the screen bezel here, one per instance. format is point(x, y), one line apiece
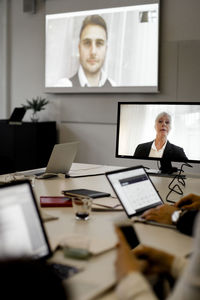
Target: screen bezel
point(27, 183)
point(147, 103)
point(125, 170)
point(113, 89)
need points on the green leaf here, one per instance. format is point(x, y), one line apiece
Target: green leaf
point(36, 104)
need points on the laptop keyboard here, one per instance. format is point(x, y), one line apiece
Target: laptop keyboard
point(63, 271)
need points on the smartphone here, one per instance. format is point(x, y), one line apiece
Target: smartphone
point(130, 235)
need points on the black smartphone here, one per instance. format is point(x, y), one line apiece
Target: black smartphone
point(130, 235)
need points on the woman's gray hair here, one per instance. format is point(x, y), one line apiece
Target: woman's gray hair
point(162, 114)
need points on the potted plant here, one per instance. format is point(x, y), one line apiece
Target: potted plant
point(36, 104)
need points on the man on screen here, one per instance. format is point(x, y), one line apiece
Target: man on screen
point(92, 53)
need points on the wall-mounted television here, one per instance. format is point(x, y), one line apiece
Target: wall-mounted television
point(164, 131)
point(109, 50)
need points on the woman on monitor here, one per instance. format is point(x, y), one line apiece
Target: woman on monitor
point(161, 147)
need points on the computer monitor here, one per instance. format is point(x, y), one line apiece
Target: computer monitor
point(143, 128)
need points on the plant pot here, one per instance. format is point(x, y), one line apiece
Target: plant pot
point(34, 117)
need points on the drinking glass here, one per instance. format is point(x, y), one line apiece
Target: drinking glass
point(82, 207)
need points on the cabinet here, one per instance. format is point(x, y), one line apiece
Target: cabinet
point(26, 146)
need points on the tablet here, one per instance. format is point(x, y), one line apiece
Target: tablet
point(134, 190)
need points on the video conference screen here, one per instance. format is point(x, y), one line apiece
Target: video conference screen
point(103, 49)
point(159, 130)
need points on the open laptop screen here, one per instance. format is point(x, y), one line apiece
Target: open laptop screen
point(17, 115)
point(134, 190)
point(21, 229)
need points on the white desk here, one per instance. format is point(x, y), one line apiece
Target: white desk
point(192, 185)
point(99, 271)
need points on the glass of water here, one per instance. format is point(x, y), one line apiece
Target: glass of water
point(82, 207)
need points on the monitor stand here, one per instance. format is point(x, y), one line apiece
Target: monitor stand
point(166, 170)
point(166, 167)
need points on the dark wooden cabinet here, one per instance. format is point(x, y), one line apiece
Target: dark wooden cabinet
point(26, 146)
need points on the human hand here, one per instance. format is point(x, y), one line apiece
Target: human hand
point(126, 262)
point(189, 202)
point(157, 261)
point(160, 214)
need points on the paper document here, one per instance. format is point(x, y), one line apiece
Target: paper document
point(47, 217)
point(94, 245)
point(89, 170)
point(106, 203)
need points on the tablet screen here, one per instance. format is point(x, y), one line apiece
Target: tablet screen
point(134, 189)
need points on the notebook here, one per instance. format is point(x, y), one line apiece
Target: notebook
point(134, 189)
point(60, 161)
point(22, 232)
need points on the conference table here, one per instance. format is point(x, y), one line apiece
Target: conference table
point(97, 278)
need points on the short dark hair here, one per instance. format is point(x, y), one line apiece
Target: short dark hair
point(94, 20)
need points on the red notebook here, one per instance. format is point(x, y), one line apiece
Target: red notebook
point(55, 201)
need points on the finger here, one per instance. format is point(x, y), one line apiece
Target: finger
point(143, 265)
point(152, 217)
point(188, 207)
point(185, 200)
point(121, 239)
point(159, 206)
point(119, 234)
point(147, 212)
point(149, 216)
point(141, 251)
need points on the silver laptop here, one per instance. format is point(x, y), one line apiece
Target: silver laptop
point(61, 158)
point(134, 190)
point(22, 233)
point(60, 161)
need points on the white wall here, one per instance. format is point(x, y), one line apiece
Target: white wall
point(4, 55)
point(91, 118)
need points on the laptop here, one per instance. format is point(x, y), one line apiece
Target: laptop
point(60, 161)
point(22, 233)
point(134, 190)
point(17, 116)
